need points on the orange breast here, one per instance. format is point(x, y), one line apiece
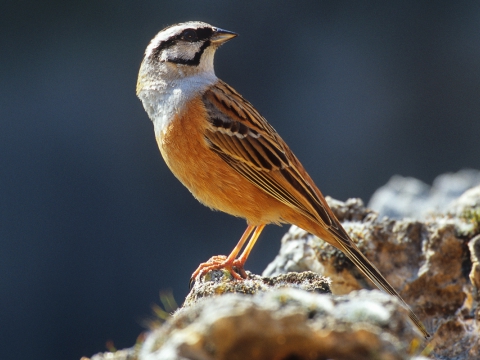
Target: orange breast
point(211, 180)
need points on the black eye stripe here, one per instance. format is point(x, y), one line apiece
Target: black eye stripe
point(202, 34)
point(196, 60)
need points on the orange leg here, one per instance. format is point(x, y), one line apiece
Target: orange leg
point(240, 262)
point(224, 262)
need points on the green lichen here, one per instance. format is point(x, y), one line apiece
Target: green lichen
point(472, 218)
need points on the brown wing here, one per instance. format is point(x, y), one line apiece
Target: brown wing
point(247, 142)
point(251, 146)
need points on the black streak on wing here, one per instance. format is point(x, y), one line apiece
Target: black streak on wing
point(259, 177)
point(308, 194)
point(259, 156)
point(262, 178)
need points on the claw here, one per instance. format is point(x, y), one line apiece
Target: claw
point(231, 263)
point(235, 268)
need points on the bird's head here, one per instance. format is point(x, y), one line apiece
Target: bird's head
point(181, 50)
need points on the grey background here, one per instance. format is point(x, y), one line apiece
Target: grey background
point(92, 223)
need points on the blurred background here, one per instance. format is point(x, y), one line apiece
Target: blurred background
point(92, 223)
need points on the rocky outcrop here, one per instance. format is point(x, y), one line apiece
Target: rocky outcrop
point(433, 263)
point(289, 312)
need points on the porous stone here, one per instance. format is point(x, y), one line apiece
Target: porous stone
point(409, 197)
point(433, 261)
point(286, 324)
point(125, 354)
point(219, 282)
point(434, 264)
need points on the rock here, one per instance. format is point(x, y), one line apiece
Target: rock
point(469, 201)
point(474, 247)
point(408, 197)
point(433, 265)
point(219, 282)
point(126, 354)
point(285, 324)
point(433, 261)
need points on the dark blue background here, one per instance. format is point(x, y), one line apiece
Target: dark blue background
point(92, 223)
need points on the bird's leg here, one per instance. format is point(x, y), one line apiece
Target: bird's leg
point(225, 262)
point(240, 262)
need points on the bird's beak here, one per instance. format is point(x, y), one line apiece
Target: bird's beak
point(221, 36)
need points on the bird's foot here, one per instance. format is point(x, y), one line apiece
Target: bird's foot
point(234, 267)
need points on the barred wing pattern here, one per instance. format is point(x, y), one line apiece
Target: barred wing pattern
point(252, 147)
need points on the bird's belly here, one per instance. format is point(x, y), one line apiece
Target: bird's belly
point(209, 178)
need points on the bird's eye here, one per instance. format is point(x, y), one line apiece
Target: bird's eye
point(189, 35)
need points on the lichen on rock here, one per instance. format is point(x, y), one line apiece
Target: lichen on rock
point(293, 313)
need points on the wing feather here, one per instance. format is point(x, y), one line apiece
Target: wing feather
point(252, 147)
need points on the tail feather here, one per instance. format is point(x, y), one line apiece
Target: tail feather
point(370, 271)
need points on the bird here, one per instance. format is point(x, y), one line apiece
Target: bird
point(227, 154)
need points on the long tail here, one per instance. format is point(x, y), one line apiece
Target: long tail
point(353, 253)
